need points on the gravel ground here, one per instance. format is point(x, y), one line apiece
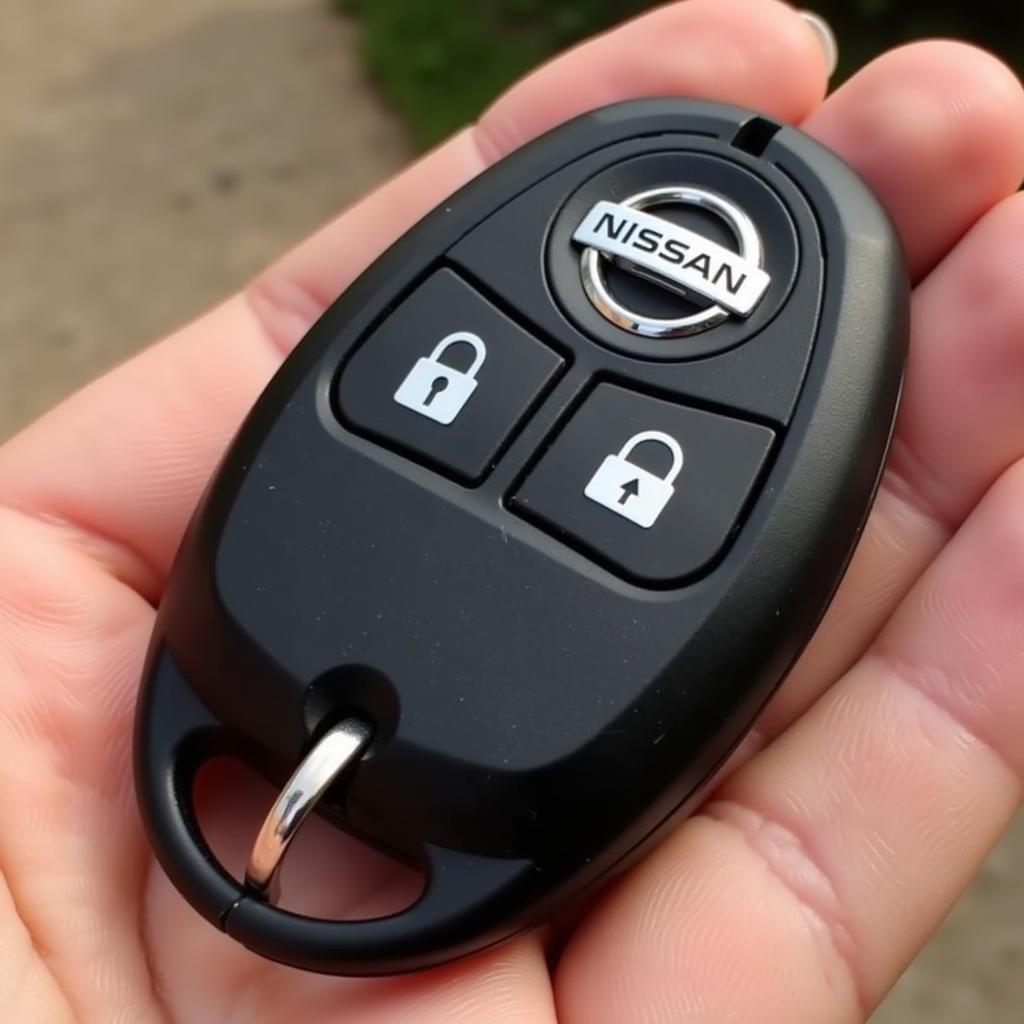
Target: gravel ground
point(153, 157)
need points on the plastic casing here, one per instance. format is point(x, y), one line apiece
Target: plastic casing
point(540, 721)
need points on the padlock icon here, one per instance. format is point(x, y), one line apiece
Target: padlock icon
point(436, 390)
point(630, 491)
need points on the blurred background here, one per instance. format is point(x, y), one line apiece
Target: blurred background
point(155, 156)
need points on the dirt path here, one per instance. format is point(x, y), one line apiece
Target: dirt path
point(152, 157)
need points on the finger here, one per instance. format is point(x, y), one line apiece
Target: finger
point(962, 417)
point(826, 863)
point(127, 458)
point(936, 128)
point(71, 856)
point(961, 426)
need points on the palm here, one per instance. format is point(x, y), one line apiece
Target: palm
point(841, 846)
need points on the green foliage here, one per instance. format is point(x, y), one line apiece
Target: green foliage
point(439, 62)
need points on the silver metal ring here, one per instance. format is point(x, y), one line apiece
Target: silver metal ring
point(596, 287)
point(335, 751)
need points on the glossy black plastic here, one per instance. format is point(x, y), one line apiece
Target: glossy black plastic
point(540, 719)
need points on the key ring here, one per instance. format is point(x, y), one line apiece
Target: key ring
point(334, 752)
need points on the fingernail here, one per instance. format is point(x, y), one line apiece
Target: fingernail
point(826, 37)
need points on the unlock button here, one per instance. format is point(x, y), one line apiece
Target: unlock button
point(446, 378)
point(654, 490)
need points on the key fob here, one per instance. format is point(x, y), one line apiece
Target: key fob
point(516, 545)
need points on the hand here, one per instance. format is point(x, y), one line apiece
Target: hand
point(881, 775)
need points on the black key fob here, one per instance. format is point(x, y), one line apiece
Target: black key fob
point(531, 525)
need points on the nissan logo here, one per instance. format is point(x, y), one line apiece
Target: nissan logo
point(673, 257)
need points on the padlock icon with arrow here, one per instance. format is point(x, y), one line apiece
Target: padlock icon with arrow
point(630, 491)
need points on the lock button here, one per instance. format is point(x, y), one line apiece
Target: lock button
point(652, 489)
point(446, 378)
point(437, 390)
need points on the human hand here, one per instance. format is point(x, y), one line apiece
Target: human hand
point(876, 782)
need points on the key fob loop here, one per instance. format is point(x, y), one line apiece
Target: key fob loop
point(178, 735)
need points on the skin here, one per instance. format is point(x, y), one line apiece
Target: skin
point(882, 774)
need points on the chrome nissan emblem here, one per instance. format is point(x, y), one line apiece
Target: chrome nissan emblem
point(673, 257)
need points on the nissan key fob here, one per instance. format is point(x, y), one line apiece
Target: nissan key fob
point(514, 548)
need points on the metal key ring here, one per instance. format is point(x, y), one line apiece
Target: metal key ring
point(334, 752)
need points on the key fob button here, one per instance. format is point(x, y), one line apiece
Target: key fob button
point(652, 489)
point(447, 377)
